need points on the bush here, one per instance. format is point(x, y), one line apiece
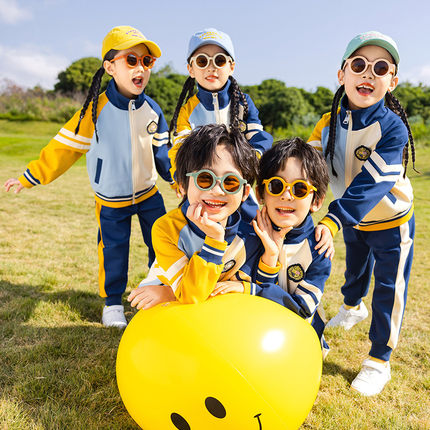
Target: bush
point(17, 103)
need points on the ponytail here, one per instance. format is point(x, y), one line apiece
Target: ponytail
point(186, 93)
point(397, 108)
point(236, 96)
point(331, 143)
point(93, 94)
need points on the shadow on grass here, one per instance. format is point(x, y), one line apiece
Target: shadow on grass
point(334, 369)
point(18, 302)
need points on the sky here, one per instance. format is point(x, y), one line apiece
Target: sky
point(298, 42)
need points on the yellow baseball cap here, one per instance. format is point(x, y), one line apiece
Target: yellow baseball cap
point(124, 37)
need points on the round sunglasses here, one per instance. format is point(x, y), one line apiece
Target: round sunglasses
point(133, 60)
point(205, 180)
point(202, 60)
point(299, 189)
point(359, 64)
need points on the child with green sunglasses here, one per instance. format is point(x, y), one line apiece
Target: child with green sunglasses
point(202, 242)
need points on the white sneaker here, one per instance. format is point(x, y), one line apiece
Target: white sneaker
point(372, 378)
point(347, 318)
point(113, 316)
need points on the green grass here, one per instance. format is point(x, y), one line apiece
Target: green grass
point(57, 361)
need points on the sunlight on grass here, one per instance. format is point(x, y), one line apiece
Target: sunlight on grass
point(57, 361)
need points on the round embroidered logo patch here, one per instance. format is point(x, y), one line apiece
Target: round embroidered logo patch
point(228, 265)
point(363, 153)
point(152, 127)
point(295, 272)
point(242, 126)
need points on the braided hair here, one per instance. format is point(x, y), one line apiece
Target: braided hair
point(236, 97)
point(393, 104)
point(397, 108)
point(331, 143)
point(186, 93)
point(93, 93)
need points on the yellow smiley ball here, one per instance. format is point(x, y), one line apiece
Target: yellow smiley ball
point(234, 362)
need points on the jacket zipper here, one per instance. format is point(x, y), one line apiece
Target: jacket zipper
point(131, 108)
point(216, 107)
point(348, 160)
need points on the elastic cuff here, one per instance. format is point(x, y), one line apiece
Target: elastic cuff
point(113, 300)
point(332, 226)
point(24, 182)
point(246, 287)
point(381, 352)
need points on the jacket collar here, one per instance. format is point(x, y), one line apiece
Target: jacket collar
point(120, 101)
point(361, 118)
point(298, 234)
point(230, 230)
point(206, 97)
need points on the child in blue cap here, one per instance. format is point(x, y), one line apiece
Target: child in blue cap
point(124, 136)
point(366, 144)
point(219, 100)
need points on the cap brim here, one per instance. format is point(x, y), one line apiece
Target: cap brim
point(153, 47)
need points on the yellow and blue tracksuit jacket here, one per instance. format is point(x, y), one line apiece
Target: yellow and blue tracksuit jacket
point(374, 206)
point(299, 284)
point(192, 263)
point(207, 107)
point(122, 166)
point(370, 191)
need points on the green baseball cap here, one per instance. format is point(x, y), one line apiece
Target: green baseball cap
point(372, 38)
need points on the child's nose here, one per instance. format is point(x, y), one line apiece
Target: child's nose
point(286, 195)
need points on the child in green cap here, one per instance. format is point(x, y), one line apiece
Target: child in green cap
point(365, 142)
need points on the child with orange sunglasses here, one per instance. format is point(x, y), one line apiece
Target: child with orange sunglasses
point(292, 183)
point(125, 138)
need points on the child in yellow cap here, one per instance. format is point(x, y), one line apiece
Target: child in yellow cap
point(125, 138)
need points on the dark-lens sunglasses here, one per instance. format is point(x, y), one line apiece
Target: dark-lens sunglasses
point(299, 189)
point(202, 60)
point(380, 67)
point(205, 180)
point(133, 59)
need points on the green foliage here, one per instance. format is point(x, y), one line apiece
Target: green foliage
point(36, 104)
point(164, 87)
point(79, 75)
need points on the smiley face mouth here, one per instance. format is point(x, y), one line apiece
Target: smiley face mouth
point(259, 422)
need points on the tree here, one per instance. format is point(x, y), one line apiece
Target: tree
point(79, 75)
point(279, 106)
point(164, 87)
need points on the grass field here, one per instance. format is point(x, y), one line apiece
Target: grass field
point(57, 362)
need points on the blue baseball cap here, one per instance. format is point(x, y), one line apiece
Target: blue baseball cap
point(210, 36)
point(372, 38)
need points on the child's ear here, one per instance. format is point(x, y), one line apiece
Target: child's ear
point(232, 66)
point(182, 190)
point(260, 199)
point(191, 71)
point(393, 84)
point(246, 191)
point(316, 204)
point(108, 66)
point(340, 77)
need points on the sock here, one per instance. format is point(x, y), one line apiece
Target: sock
point(348, 308)
point(378, 360)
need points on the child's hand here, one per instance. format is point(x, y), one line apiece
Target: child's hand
point(228, 287)
point(272, 239)
point(148, 296)
point(196, 214)
point(11, 183)
point(325, 241)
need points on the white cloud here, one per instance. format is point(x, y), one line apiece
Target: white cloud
point(12, 13)
point(418, 75)
point(27, 67)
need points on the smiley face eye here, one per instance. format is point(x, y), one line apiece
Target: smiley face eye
point(179, 422)
point(215, 407)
